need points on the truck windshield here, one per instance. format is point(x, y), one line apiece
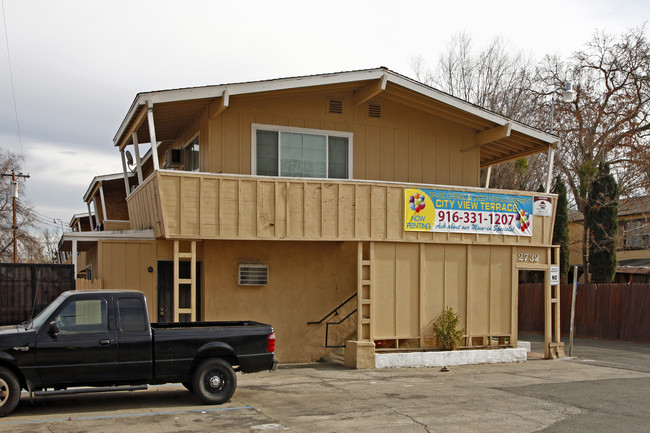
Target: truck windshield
point(41, 317)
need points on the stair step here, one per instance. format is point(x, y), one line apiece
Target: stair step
point(337, 356)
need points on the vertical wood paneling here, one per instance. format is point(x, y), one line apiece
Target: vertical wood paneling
point(402, 147)
point(387, 165)
point(407, 279)
point(295, 216)
point(374, 156)
point(229, 207)
point(190, 210)
point(362, 210)
point(456, 279)
point(383, 300)
point(378, 212)
point(312, 210)
point(192, 205)
point(443, 160)
point(245, 121)
point(347, 212)
point(359, 152)
point(480, 289)
point(456, 161)
point(430, 158)
point(209, 207)
point(330, 210)
point(415, 157)
point(266, 205)
point(502, 287)
point(230, 154)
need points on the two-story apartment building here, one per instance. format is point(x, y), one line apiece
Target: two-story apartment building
point(279, 200)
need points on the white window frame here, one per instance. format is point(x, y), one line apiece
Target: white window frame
point(197, 139)
point(280, 129)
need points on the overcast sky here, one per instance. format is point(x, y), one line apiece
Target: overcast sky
point(77, 65)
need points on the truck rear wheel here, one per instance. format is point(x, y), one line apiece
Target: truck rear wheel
point(9, 391)
point(214, 381)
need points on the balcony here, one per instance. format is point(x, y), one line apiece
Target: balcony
point(187, 205)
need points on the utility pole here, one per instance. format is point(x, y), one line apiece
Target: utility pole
point(14, 184)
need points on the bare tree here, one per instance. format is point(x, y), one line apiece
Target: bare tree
point(609, 122)
point(498, 78)
point(30, 247)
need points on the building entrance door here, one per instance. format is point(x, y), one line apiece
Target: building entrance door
point(166, 290)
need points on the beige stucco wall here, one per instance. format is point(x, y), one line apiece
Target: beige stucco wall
point(306, 281)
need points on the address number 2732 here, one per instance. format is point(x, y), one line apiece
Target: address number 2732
point(525, 257)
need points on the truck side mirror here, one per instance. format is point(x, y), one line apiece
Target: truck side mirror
point(53, 329)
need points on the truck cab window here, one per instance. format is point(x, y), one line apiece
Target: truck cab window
point(132, 317)
point(87, 315)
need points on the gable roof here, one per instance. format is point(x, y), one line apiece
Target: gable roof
point(175, 109)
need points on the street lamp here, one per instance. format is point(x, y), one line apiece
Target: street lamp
point(568, 95)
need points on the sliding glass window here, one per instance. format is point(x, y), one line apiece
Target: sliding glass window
point(294, 153)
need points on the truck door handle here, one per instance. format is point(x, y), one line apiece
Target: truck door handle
point(105, 342)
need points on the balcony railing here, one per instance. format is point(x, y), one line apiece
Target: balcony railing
point(185, 205)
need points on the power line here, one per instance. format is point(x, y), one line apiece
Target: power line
point(11, 79)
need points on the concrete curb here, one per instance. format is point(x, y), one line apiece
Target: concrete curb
point(456, 357)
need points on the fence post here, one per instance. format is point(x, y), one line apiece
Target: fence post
point(573, 309)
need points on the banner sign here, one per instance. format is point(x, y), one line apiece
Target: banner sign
point(432, 210)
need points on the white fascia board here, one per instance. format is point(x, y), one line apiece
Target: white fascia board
point(102, 178)
point(187, 94)
point(469, 108)
point(263, 86)
point(162, 96)
point(77, 216)
point(114, 235)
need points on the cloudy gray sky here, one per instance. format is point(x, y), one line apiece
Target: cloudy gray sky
point(78, 64)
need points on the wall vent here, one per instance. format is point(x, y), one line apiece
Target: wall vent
point(253, 274)
point(336, 106)
point(374, 110)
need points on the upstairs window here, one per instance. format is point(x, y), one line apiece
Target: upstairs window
point(297, 152)
point(192, 155)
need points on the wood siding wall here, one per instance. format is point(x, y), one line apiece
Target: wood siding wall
point(412, 285)
point(405, 144)
point(183, 205)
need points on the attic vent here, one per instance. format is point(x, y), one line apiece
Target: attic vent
point(336, 107)
point(374, 110)
point(253, 275)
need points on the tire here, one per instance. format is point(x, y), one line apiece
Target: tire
point(9, 392)
point(214, 381)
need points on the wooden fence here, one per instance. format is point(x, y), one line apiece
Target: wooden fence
point(21, 283)
point(611, 311)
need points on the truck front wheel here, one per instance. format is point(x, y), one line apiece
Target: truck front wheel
point(214, 381)
point(9, 391)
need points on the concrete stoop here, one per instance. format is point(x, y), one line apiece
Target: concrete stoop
point(456, 357)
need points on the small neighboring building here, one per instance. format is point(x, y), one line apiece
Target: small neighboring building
point(280, 200)
point(633, 250)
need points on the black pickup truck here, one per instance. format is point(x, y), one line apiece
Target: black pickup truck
point(104, 339)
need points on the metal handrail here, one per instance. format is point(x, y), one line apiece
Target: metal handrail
point(335, 310)
point(327, 329)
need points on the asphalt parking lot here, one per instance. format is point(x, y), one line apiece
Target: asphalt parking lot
point(581, 394)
